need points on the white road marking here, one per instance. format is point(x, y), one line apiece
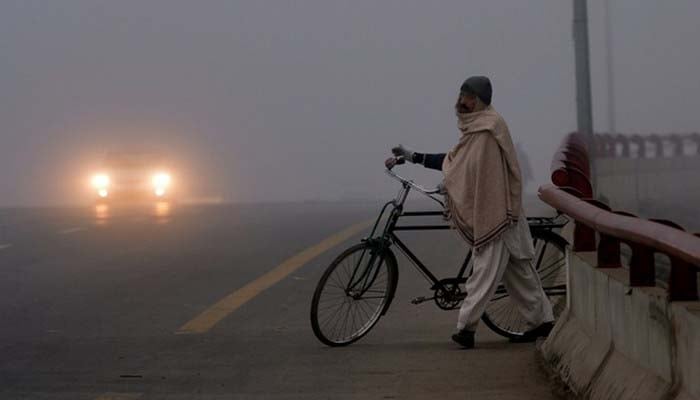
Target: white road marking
point(68, 231)
point(5, 246)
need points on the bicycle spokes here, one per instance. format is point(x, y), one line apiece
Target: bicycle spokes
point(502, 313)
point(351, 295)
point(364, 276)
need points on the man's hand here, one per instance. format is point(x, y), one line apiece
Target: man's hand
point(391, 162)
point(401, 151)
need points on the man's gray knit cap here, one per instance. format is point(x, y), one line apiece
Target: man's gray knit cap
point(479, 86)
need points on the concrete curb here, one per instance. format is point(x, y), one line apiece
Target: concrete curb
point(574, 355)
point(618, 342)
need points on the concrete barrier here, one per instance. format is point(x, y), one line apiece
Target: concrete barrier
point(620, 342)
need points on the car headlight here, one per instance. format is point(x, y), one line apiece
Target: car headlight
point(100, 181)
point(161, 180)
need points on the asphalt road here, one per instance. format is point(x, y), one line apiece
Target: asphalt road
point(96, 303)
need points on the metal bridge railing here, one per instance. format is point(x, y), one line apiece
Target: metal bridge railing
point(598, 228)
point(647, 146)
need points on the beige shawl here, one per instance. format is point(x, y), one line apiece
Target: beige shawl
point(482, 178)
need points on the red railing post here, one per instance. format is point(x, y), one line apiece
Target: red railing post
point(658, 145)
point(695, 137)
point(598, 143)
point(584, 236)
point(683, 279)
point(608, 146)
point(642, 264)
point(608, 246)
point(676, 145)
point(683, 282)
point(641, 145)
point(624, 146)
point(642, 271)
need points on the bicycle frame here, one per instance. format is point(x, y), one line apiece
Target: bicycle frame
point(389, 237)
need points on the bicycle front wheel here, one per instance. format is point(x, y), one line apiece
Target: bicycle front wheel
point(502, 314)
point(351, 295)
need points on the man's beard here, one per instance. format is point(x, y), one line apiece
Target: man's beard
point(462, 109)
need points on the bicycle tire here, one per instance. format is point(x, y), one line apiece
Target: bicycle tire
point(501, 314)
point(352, 294)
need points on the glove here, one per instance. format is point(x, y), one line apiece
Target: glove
point(391, 162)
point(401, 151)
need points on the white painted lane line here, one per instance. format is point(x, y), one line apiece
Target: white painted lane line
point(68, 231)
point(5, 246)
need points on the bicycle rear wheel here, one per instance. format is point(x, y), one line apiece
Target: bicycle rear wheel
point(502, 314)
point(352, 294)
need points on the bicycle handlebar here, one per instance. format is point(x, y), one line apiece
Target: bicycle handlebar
point(411, 183)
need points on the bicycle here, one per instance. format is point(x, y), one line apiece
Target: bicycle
point(358, 287)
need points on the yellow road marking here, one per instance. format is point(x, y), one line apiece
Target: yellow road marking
point(211, 316)
point(119, 396)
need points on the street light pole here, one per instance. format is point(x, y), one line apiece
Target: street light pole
point(611, 73)
point(584, 111)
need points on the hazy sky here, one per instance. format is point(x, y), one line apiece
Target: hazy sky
point(282, 100)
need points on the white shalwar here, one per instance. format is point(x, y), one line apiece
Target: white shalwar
point(508, 259)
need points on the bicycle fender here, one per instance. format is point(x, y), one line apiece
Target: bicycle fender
point(393, 266)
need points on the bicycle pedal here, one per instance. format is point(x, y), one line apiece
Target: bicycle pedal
point(421, 299)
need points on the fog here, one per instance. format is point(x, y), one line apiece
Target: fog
point(291, 101)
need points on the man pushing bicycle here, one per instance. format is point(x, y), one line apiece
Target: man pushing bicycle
point(483, 189)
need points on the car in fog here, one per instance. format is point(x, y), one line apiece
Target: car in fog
point(132, 176)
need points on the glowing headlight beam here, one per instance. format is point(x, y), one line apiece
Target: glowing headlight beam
point(100, 181)
point(161, 180)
